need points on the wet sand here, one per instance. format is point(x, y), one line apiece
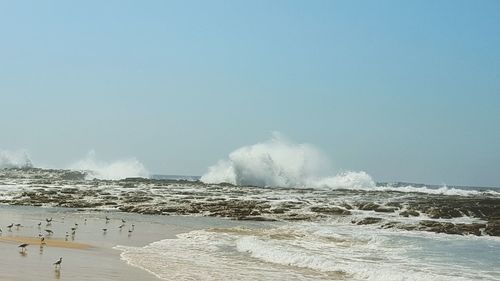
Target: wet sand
point(32, 241)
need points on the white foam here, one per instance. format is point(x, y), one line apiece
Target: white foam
point(15, 159)
point(115, 170)
point(201, 255)
point(345, 180)
point(281, 253)
point(306, 251)
point(444, 190)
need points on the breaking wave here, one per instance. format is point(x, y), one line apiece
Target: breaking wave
point(311, 251)
point(282, 163)
point(15, 159)
point(116, 170)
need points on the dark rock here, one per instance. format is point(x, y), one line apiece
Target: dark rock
point(391, 224)
point(69, 190)
point(408, 213)
point(408, 227)
point(450, 228)
point(330, 210)
point(279, 210)
point(493, 228)
point(369, 220)
point(255, 218)
point(444, 213)
point(369, 206)
point(298, 217)
point(438, 227)
point(473, 229)
point(384, 209)
point(397, 205)
point(346, 206)
point(137, 199)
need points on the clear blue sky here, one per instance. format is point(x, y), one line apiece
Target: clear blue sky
point(405, 90)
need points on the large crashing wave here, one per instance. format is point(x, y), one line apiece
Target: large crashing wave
point(116, 170)
point(15, 159)
point(281, 163)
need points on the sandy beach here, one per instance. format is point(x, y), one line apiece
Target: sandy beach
point(89, 254)
point(86, 256)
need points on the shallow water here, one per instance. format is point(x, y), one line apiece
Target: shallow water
point(312, 251)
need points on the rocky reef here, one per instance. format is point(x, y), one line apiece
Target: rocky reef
point(476, 214)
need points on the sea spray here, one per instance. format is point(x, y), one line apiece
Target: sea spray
point(279, 162)
point(349, 179)
point(115, 170)
point(15, 159)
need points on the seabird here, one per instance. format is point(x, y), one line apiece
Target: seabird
point(48, 220)
point(123, 221)
point(23, 247)
point(73, 228)
point(42, 241)
point(50, 232)
point(39, 224)
point(58, 263)
point(104, 230)
point(121, 226)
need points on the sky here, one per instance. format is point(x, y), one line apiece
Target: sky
point(404, 90)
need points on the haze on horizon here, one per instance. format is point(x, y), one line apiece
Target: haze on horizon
point(406, 91)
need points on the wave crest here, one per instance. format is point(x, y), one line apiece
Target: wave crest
point(281, 163)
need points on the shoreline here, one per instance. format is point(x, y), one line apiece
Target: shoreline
point(90, 254)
